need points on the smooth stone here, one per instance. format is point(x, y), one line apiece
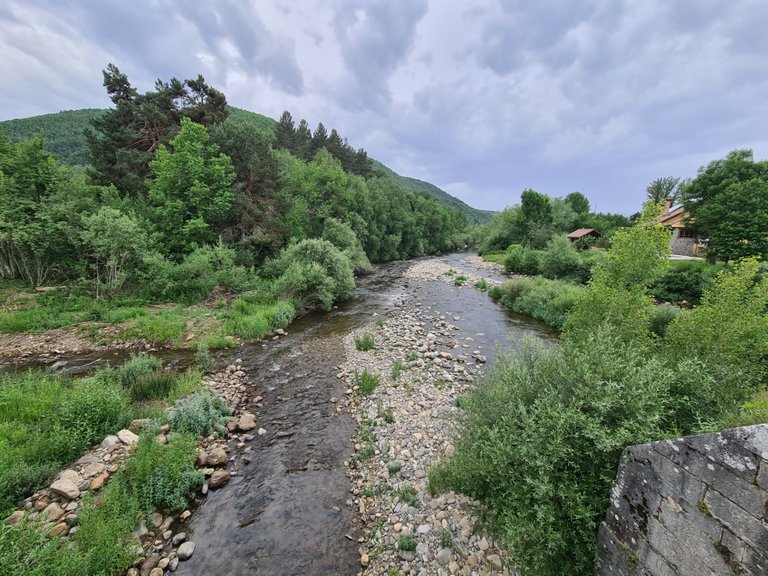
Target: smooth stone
point(246, 422)
point(179, 538)
point(444, 556)
point(218, 479)
point(16, 517)
point(53, 511)
point(109, 441)
point(186, 550)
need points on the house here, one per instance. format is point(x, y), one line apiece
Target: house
point(584, 233)
point(686, 240)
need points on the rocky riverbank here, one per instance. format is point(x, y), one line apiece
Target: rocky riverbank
point(161, 539)
point(406, 425)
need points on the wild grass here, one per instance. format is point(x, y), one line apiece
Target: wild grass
point(366, 382)
point(364, 343)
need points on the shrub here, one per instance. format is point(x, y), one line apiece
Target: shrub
point(661, 317)
point(481, 285)
point(559, 404)
point(684, 281)
point(364, 343)
point(546, 300)
point(728, 331)
point(163, 475)
point(459, 280)
point(144, 378)
point(192, 280)
point(521, 260)
point(312, 273)
point(560, 259)
point(198, 414)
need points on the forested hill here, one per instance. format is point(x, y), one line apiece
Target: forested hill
point(473, 215)
point(64, 137)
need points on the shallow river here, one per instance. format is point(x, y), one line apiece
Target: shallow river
point(285, 511)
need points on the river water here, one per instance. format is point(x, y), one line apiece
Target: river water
point(285, 510)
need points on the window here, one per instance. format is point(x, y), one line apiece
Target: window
point(687, 233)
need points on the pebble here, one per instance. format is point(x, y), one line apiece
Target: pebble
point(414, 422)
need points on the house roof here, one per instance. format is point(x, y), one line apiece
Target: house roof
point(674, 218)
point(581, 232)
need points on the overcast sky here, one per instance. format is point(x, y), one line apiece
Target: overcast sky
point(483, 98)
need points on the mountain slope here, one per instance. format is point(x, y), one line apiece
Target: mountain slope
point(63, 131)
point(64, 137)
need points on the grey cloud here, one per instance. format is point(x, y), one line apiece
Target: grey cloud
point(374, 38)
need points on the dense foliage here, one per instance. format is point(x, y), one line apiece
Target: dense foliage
point(185, 197)
point(545, 429)
point(539, 218)
point(728, 204)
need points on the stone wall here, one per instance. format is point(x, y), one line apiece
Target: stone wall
point(681, 246)
point(694, 506)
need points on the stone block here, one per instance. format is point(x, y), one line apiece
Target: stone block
point(753, 438)
point(743, 493)
point(724, 450)
point(746, 526)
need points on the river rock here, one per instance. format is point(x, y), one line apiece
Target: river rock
point(444, 556)
point(65, 488)
point(98, 482)
point(127, 437)
point(53, 511)
point(246, 422)
point(109, 441)
point(186, 550)
point(179, 538)
point(218, 479)
point(93, 470)
point(156, 571)
point(216, 457)
point(16, 517)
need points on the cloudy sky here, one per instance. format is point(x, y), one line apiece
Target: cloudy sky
point(482, 97)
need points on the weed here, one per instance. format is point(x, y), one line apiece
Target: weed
point(481, 285)
point(450, 273)
point(380, 322)
point(389, 417)
point(412, 356)
point(459, 280)
point(203, 358)
point(367, 438)
point(198, 414)
point(366, 382)
point(407, 494)
point(405, 543)
point(394, 467)
point(397, 368)
point(364, 343)
point(445, 538)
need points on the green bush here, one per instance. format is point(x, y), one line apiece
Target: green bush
point(92, 409)
point(571, 411)
point(163, 475)
point(193, 279)
point(684, 281)
point(559, 259)
point(546, 300)
point(47, 421)
point(312, 273)
point(661, 317)
point(521, 260)
point(198, 414)
point(144, 378)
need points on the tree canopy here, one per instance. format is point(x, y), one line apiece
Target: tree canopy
point(728, 204)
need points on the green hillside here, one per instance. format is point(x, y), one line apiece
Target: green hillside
point(63, 131)
point(473, 215)
point(64, 137)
